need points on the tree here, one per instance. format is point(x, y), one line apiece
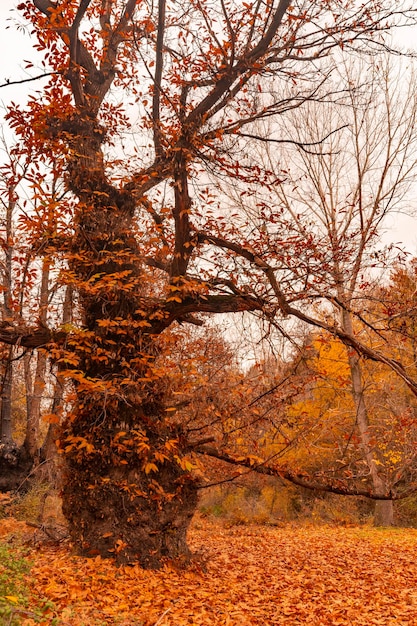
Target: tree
point(332, 442)
point(29, 293)
point(347, 187)
point(14, 463)
point(141, 236)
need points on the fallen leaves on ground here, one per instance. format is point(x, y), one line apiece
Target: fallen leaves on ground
point(242, 576)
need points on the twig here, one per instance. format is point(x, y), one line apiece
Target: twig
point(32, 471)
point(162, 617)
point(27, 80)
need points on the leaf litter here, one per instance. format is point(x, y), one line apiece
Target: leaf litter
point(241, 575)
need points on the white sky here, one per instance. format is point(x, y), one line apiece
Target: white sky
point(16, 47)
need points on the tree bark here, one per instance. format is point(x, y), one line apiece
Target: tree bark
point(35, 391)
point(384, 511)
point(6, 401)
point(126, 491)
point(50, 467)
point(7, 382)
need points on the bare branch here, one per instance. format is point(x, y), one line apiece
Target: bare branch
point(298, 478)
point(159, 61)
point(302, 145)
point(27, 80)
point(241, 67)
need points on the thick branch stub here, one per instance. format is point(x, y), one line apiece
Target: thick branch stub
point(28, 339)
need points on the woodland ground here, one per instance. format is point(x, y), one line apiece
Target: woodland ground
point(241, 575)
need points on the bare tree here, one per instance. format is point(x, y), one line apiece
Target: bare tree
point(338, 195)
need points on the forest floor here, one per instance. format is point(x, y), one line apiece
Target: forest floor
point(241, 575)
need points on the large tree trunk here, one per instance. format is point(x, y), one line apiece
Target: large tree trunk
point(125, 492)
point(116, 509)
point(126, 489)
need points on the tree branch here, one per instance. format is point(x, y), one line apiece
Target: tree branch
point(288, 310)
point(84, 58)
point(159, 62)
point(74, 46)
point(298, 478)
point(27, 80)
point(28, 339)
point(302, 145)
point(242, 66)
point(164, 316)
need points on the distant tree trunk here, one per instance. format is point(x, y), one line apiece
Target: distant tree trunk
point(48, 452)
point(13, 464)
point(384, 511)
point(6, 401)
point(50, 467)
point(7, 383)
point(35, 391)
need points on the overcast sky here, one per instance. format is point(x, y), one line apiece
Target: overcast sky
point(16, 47)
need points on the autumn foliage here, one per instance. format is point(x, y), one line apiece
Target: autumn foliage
point(240, 576)
point(149, 115)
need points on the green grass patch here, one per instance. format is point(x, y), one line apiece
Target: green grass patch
point(13, 592)
point(14, 595)
point(380, 534)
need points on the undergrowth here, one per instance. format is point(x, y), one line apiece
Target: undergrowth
point(13, 592)
point(15, 605)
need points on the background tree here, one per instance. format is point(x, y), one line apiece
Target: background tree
point(141, 237)
point(325, 415)
point(345, 190)
point(28, 295)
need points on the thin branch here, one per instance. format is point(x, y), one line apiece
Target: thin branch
point(28, 80)
point(302, 145)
